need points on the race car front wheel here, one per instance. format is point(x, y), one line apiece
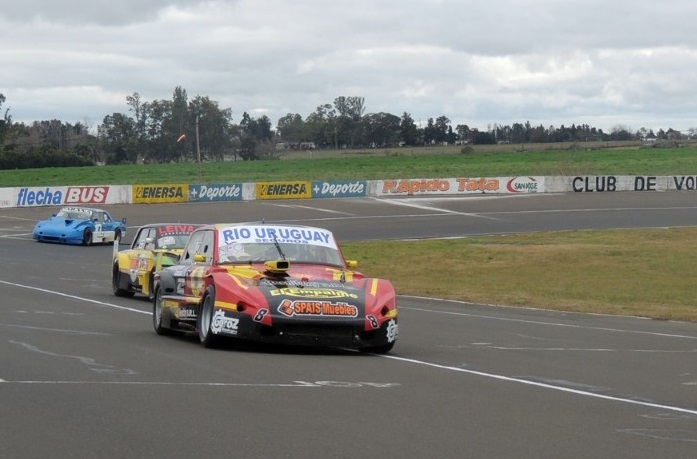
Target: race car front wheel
point(87, 237)
point(204, 321)
point(157, 313)
point(382, 349)
point(151, 283)
point(116, 283)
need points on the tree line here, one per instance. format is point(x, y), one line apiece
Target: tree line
point(184, 129)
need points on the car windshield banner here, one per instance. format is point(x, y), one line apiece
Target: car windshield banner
point(276, 234)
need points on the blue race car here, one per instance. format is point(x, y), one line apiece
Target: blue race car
point(81, 226)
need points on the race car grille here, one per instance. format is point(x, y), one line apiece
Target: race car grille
point(319, 330)
point(50, 238)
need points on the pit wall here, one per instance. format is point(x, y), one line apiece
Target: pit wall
point(300, 189)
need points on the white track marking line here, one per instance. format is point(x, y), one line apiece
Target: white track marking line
point(538, 322)
point(391, 357)
point(303, 384)
point(542, 385)
point(156, 383)
point(58, 330)
point(295, 206)
point(74, 297)
point(431, 208)
point(18, 218)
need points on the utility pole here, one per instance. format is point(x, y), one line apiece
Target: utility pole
point(198, 151)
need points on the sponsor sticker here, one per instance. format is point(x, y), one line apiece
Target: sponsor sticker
point(392, 331)
point(312, 293)
point(170, 230)
point(317, 308)
point(271, 234)
point(223, 324)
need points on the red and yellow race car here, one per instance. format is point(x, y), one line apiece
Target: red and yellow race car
point(277, 284)
point(154, 247)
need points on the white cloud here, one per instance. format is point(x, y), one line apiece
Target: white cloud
point(544, 61)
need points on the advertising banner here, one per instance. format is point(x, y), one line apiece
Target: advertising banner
point(458, 186)
point(160, 193)
point(613, 183)
point(6, 197)
point(340, 189)
point(70, 195)
point(284, 190)
point(213, 192)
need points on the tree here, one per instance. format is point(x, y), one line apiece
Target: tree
point(463, 133)
point(382, 129)
point(321, 126)
point(483, 137)
point(620, 132)
point(140, 111)
point(350, 110)
point(408, 132)
point(162, 132)
point(118, 139)
point(216, 133)
point(292, 129)
point(5, 122)
point(254, 134)
point(442, 129)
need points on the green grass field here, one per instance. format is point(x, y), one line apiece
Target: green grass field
point(641, 272)
point(625, 272)
point(436, 162)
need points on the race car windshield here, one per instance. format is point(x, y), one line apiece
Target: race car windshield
point(174, 241)
point(295, 253)
point(75, 214)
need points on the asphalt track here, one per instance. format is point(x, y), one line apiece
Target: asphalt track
point(83, 375)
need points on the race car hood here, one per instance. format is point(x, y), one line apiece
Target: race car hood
point(305, 291)
point(298, 298)
point(59, 223)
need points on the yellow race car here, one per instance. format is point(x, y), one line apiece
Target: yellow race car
point(154, 247)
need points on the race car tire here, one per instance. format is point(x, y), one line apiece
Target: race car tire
point(116, 283)
point(151, 284)
point(205, 319)
point(87, 237)
point(157, 314)
point(383, 349)
point(117, 237)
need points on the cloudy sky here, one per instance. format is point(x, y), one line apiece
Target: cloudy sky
point(552, 62)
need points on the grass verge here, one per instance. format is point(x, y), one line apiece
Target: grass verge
point(624, 272)
point(444, 162)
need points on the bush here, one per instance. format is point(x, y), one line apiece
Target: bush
point(467, 149)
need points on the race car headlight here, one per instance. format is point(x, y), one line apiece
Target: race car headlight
point(389, 313)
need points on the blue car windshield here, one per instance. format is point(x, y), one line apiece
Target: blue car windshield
point(74, 213)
